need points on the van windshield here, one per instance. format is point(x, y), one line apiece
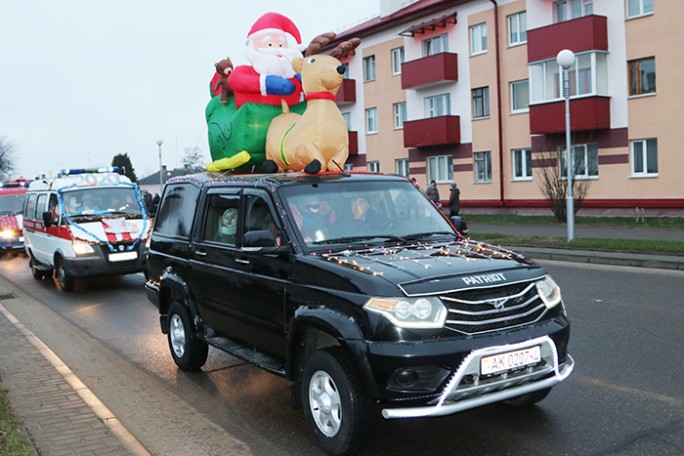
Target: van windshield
point(366, 212)
point(12, 203)
point(101, 201)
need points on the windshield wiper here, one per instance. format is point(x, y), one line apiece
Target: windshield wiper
point(389, 237)
point(413, 237)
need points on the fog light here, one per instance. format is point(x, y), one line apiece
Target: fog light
point(406, 378)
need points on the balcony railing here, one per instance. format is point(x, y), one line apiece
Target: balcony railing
point(590, 113)
point(347, 92)
point(428, 71)
point(583, 34)
point(433, 131)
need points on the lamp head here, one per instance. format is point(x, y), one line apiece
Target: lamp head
point(160, 142)
point(565, 58)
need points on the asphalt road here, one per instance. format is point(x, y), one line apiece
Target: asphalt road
point(624, 398)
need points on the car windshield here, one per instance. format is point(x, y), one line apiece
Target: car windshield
point(101, 201)
point(12, 203)
point(328, 213)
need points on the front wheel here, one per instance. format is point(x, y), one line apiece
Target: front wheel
point(337, 409)
point(188, 352)
point(35, 272)
point(66, 282)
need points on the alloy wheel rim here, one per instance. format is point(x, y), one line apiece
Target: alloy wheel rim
point(325, 403)
point(177, 335)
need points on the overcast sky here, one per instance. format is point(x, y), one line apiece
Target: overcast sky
point(84, 80)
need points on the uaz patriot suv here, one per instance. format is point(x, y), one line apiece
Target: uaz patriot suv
point(357, 289)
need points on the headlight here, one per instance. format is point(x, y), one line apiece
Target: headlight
point(8, 234)
point(549, 292)
point(82, 248)
point(410, 312)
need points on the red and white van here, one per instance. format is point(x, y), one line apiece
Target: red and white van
point(12, 196)
point(85, 223)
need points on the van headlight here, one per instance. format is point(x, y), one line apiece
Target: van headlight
point(549, 292)
point(410, 312)
point(82, 248)
point(8, 234)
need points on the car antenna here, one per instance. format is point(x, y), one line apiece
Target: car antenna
point(344, 171)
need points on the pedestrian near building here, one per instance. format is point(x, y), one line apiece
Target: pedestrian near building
point(433, 193)
point(454, 199)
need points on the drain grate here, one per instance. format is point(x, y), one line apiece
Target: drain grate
point(7, 296)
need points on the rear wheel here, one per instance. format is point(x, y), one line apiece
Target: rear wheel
point(337, 409)
point(66, 281)
point(528, 399)
point(35, 272)
point(188, 352)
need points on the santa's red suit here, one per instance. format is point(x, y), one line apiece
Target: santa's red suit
point(245, 82)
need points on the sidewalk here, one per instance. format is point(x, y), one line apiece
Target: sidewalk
point(660, 261)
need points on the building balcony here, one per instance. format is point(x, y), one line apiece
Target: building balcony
point(589, 33)
point(347, 92)
point(433, 131)
point(589, 113)
point(353, 143)
point(428, 71)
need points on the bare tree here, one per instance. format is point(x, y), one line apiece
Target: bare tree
point(6, 157)
point(192, 158)
point(554, 186)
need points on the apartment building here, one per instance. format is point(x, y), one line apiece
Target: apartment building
point(471, 92)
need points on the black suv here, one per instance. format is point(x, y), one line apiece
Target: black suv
point(357, 289)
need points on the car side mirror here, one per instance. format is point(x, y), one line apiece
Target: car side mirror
point(47, 219)
point(261, 241)
point(459, 223)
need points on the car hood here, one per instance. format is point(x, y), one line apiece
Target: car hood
point(424, 269)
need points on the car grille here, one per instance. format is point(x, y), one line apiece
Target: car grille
point(493, 309)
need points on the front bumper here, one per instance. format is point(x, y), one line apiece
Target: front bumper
point(99, 263)
point(16, 243)
point(460, 395)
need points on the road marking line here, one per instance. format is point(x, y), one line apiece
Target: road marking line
point(108, 418)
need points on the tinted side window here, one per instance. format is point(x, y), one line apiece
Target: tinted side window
point(40, 206)
point(177, 210)
point(30, 208)
point(221, 219)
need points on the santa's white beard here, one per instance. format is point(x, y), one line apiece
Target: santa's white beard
point(267, 61)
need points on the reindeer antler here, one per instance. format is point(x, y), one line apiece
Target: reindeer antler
point(318, 43)
point(345, 48)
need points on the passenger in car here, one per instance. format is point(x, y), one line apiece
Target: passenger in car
point(227, 226)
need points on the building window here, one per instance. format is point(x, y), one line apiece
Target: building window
point(435, 45)
point(564, 10)
point(369, 68)
point(441, 169)
point(483, 166)
point(585, 161)
point(373, 166)
point(347, 120)
point(520, 96)
point(348, 167)
point(439, 105)
point(372, 120)
point(399, 110)
point(522, 164)
point(644, 157)
point(517, 28)
point(478, 39)
point(481, 102)
point(402, 166)
point(588, 77)
point(636, 8)
point(397, 60)
point(642, 76)
point(345, 75)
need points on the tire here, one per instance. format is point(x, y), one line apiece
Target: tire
point(35, 272)
point(188, 352)
point(337, 409)
point(65, 280)
point(528, 399)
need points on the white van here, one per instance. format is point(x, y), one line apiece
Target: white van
point(85, 223)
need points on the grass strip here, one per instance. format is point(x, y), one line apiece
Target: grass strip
point(13, 441)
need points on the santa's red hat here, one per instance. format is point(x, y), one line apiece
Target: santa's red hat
point(275, 21)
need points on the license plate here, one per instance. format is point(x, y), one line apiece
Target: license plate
point(503, 362)
point(123, 256)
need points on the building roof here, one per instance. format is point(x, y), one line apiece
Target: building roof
point(153, 179)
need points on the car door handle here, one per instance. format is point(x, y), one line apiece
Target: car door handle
point(200, 253)
point(241, 261)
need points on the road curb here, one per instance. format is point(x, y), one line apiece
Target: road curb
point(644, 260)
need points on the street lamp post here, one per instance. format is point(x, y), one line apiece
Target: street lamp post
point(565, 59)
point(161, 169)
